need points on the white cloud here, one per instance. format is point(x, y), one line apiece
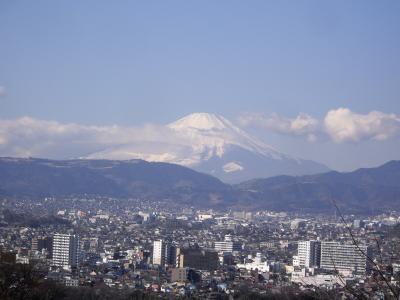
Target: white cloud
point(343, 125)
point(302, 125)
point(27, 136)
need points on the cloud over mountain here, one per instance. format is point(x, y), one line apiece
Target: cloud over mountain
point(27, 136)
point(340, 125)
point(302, 125)
point(343, 125)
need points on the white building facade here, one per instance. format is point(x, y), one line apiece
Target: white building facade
point(308, 254)
point(344, 258)
point(66, 250)
point(164, 253)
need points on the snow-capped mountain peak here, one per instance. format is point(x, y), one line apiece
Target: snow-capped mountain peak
point(212, 144)
point(201, 121)
point(215, 133)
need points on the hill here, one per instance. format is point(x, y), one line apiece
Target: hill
point(364, 190)
point(32, 177)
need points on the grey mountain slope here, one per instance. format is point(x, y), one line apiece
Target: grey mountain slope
point(256, 165)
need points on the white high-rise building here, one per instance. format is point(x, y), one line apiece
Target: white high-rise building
point(344, 258)
point(158, 253)
point(164, 253)
point(66, 250)
point(308, 254)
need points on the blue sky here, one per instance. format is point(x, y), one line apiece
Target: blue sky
point(131, 62)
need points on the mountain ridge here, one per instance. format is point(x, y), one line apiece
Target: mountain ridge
point(32, 177)
point(364, 190)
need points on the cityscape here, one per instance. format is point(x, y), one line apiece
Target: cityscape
point(105, 245)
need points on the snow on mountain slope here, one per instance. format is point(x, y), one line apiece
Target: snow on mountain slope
point(212, 144)
point(214, 133)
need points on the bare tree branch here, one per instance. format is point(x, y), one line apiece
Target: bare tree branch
point(355, 242)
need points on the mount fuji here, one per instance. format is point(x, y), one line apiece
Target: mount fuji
point(212, 144)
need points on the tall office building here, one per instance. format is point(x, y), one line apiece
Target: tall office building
point(66, 250)
point(197, 258)
point(158, 252)
point(308, 254)
point(228, 245)
point(164, 253)
point(344, 258)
